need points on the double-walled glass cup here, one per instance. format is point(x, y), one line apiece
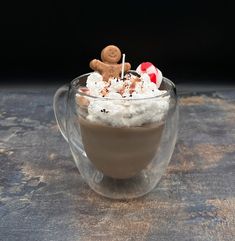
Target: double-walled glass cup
point(118, 162)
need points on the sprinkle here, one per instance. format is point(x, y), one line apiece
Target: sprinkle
point(104, 111)
point(136, 74)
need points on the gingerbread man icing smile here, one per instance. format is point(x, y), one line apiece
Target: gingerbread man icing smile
point(109, 66)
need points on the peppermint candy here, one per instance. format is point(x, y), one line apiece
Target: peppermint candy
point(154, 73)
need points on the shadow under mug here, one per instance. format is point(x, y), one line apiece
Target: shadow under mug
point(117, 162)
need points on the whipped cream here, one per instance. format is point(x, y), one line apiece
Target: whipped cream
point(125, 102)
point(131, 86)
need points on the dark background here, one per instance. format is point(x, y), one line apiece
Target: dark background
point(190, 41)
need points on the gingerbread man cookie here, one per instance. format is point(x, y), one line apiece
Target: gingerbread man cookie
point(110, 56)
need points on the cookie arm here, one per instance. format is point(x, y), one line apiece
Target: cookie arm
point(96, 65)
point(127, 67)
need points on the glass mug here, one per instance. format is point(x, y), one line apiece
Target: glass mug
point(116, 162)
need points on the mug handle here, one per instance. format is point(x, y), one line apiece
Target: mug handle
point(60, 108)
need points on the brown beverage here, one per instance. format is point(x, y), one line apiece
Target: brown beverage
point(120, 152)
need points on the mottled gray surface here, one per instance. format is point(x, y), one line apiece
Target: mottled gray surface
point(43, 197)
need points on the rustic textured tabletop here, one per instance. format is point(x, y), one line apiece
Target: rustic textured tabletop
point(43, 197)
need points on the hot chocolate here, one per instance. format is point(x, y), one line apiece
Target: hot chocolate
point(120, 152)
point(121, 117)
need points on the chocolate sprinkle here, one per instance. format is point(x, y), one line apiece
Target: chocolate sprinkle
point(104, 110)
point(136, 74)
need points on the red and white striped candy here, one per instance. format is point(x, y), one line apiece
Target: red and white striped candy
point(154, 73)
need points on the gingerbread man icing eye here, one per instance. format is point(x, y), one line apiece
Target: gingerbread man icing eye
point(111, 54)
